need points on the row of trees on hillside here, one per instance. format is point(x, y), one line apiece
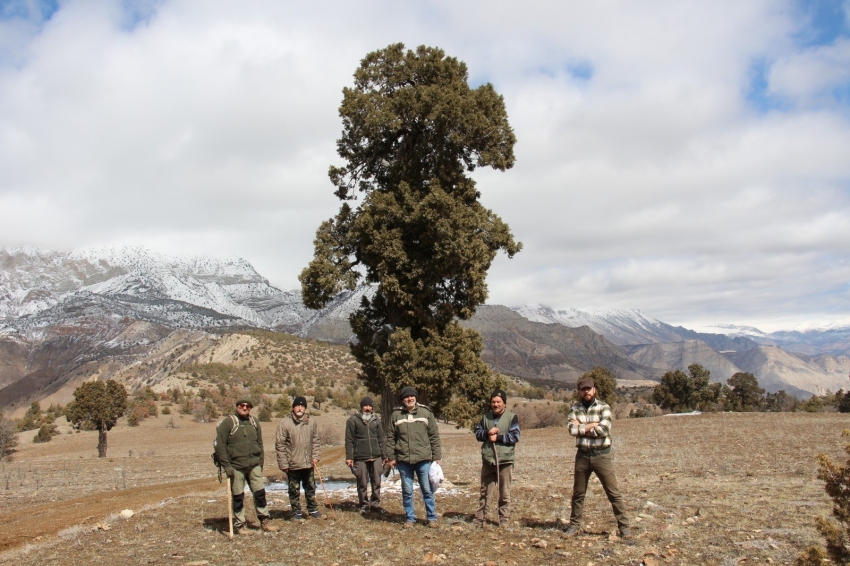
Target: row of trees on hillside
point(694, 390)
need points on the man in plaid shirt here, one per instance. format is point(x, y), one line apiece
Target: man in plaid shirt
point(590, 423)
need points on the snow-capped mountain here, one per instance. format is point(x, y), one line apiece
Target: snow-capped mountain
point(809, 339)
point(630, 327)
point(188, 292)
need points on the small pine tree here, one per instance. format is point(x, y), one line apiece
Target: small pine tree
point(837, 534)
point(8, 437)
point(31, 419)
point(265, 414)
point(45, 433)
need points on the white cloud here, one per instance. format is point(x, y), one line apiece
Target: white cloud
point(646, 180)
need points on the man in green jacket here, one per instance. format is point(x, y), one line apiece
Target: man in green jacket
point(413, 442)
point(239, 449)
point(498, 432)
point(298, 450)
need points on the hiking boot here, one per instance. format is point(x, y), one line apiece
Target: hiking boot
point(242, 530)
point(433, 524)
point(267, 526)
point(409, 524)
point(571, 531)
point(298, 516)
point(625, 532)
point(315, 515)
point(364, 509)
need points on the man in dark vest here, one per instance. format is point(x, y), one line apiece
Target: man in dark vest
point(239, 448)
point(498, 432)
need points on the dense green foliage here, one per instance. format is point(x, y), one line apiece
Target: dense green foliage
point(98, 404)
point(412, 131)
point(681, 392)
point(743, 393)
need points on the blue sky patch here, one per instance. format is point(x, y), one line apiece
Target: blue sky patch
point(825, 21)
point(582, 71)
point(36, 11)
point(757, 89)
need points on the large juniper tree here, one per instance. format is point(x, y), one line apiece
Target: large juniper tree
point(413, 130)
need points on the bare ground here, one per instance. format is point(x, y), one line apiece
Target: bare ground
point(712, 489)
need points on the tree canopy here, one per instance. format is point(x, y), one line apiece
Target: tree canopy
point(412, 131)
point(743, 392)
point(98, 404)
point(680, 391)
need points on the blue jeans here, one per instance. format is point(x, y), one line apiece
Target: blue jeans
point(421, 470)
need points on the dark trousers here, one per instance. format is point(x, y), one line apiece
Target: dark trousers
point(368, 472)
point(302, 478)
point(489, 489)
point(603, 467)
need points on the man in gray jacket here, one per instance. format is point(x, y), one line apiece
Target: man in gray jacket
point(365, 454)
point(298, 450)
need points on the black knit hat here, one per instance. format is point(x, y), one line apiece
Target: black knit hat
point(299, 401)
point(408, 392)
point(500, 393)
point(366, 401)
point(245, 400)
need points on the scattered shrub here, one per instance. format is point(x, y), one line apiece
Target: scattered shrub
point(539, 416)
point(265, 414)
point(328, 435)
point(45, 433)
point(836, 533)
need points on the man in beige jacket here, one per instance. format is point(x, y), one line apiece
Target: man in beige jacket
point(298, 451)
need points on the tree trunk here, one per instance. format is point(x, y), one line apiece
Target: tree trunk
point(101, 443)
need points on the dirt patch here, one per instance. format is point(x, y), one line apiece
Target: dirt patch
point(33, 523)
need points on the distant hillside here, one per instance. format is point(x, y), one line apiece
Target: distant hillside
point(517, 346)
point(777, 369)
point(679, 355)
point(139, 354)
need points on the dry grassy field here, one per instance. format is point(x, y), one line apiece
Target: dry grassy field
point(711, 489)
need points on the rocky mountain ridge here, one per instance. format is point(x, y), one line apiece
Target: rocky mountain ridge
point(63, 313)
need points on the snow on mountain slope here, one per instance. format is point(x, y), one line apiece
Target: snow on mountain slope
point(32, 282)
point(619, 326)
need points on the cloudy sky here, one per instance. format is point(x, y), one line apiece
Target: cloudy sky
point(689, 159)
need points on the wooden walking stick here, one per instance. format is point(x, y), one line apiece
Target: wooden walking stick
point(498, 480)
point(229, 508)
point(321, 481)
